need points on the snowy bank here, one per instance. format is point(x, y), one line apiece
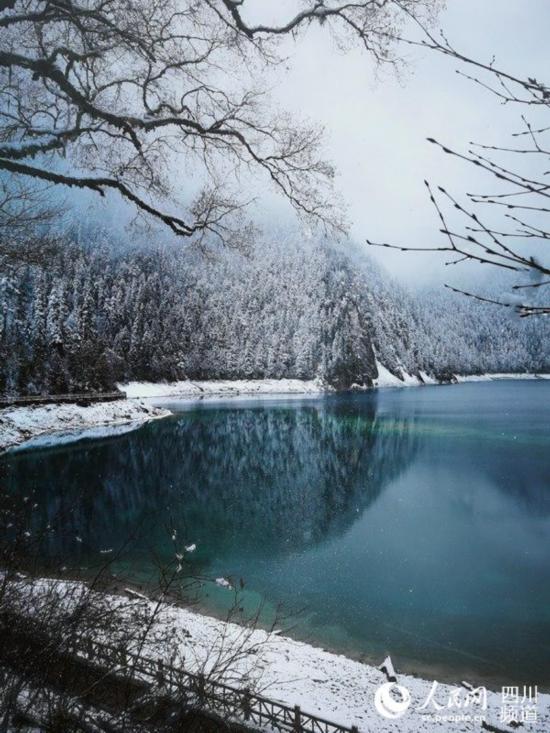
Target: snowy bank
point(330, 686)
point(44, 425)
point(50, 424)
point(388, 379)
point(224, 388)
point(495, 377)
point(335, 687)
point(261, 387)
point(191, 390)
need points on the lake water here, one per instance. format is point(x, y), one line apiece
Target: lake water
point(412, 521)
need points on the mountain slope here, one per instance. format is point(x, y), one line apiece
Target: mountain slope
point(292, 308)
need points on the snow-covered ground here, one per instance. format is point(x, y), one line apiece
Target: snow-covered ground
point(498, 376)
point(223, 388)
point(43, 425)
point(188, 389)
point(258, 387)
point(328, 685)
point(338, 688)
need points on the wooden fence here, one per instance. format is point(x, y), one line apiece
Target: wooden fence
point(209, 694)
point(81, 398)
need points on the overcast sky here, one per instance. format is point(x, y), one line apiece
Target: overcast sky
point(377, 127)
point(377, 124)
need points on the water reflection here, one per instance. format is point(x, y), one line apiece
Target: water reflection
point(415, 522)
point(261, 480)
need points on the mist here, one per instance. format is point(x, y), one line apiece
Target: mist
point(377, 120)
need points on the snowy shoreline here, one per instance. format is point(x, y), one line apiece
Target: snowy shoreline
point(338, 688)
point(387, 379)
point(41, 426)
point(197, 390)
point(329, 685)
point(53, 424)
point(225, 388)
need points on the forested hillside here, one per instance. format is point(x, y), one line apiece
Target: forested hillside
point(292, 308)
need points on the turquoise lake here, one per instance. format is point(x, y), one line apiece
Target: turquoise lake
point(414, 521)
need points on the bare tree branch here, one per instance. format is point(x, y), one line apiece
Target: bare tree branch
point(516, 242)
point(130, 94)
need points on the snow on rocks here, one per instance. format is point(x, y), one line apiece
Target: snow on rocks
point(44, 425)
point(498, 376)
point(427, 378)
point(386, 379)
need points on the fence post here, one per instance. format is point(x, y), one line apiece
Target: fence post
point(297, 719)
point(246, 704)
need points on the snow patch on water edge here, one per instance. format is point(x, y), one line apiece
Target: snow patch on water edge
point(42, 426)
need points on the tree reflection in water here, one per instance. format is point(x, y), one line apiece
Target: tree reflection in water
point(262, 479)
